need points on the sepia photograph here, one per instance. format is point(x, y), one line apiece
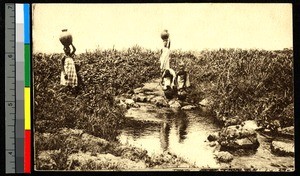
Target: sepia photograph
point(163, 86)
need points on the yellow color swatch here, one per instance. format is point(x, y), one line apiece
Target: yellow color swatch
point(27, 108)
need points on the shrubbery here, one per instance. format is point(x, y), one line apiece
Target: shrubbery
point(251, 84)
point(104, 73)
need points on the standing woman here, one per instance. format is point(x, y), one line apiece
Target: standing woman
point(165, 52)
point(68, 74)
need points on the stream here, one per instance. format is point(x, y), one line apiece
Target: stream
point(184, 133)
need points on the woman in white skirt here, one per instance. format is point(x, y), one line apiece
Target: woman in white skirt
point(165, 55)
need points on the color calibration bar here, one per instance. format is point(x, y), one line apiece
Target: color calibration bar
point(27, 97)
point(23, 108)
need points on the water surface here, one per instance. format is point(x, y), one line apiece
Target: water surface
point(181, 133)
point(184, 133)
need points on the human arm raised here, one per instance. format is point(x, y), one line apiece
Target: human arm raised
point(169, 43)
point(63, 66)
point(73, 49)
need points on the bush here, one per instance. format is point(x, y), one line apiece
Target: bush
point(251, 84)
point(105, 74)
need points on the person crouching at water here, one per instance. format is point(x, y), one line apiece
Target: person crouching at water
point(68, 73)
point(182, 81)
point(168, 78)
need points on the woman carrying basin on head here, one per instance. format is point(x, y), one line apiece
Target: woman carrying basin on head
point(165, 52)
point(68, 74)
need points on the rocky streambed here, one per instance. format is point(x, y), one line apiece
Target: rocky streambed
point(159, 125)
point(162, 134)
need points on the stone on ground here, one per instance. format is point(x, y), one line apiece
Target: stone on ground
point(138, 90)
point(238, 137)
point(250, 124)
point(45, 161)
point(174, 104)
point(283, 148)
point(129, 101)
point(206, 102)
point(288, 131)
point(142, 97)
point(159, 101)
point(213, 137)
point(87, 161)
point(212, 143)
point(236, 120)
point(168, 160)
point(225, 157)
point(189, 107)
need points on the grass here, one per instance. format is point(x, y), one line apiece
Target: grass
point(250, 84)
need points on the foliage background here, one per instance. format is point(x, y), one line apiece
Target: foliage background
point(251, 84)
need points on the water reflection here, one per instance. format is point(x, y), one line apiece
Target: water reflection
point(164, 135)
point(138, 129)
point(180, 132)
point(180, 122)
point(184, 134)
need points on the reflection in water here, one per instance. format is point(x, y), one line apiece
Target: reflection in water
point(185, 133)
point(164, 135)
point(181, 132)
point(181, 124)
point(137, 129)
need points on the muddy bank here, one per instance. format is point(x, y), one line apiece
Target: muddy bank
point(71, 149)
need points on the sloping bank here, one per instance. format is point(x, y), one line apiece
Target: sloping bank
point(70, 149)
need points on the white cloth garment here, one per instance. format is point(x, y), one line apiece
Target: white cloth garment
point(165, 59)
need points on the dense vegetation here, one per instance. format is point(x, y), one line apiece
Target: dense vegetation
point(104, 74)
point(250, 84)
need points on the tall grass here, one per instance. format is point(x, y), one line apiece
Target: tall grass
point(251, 84)
point(105, 74)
